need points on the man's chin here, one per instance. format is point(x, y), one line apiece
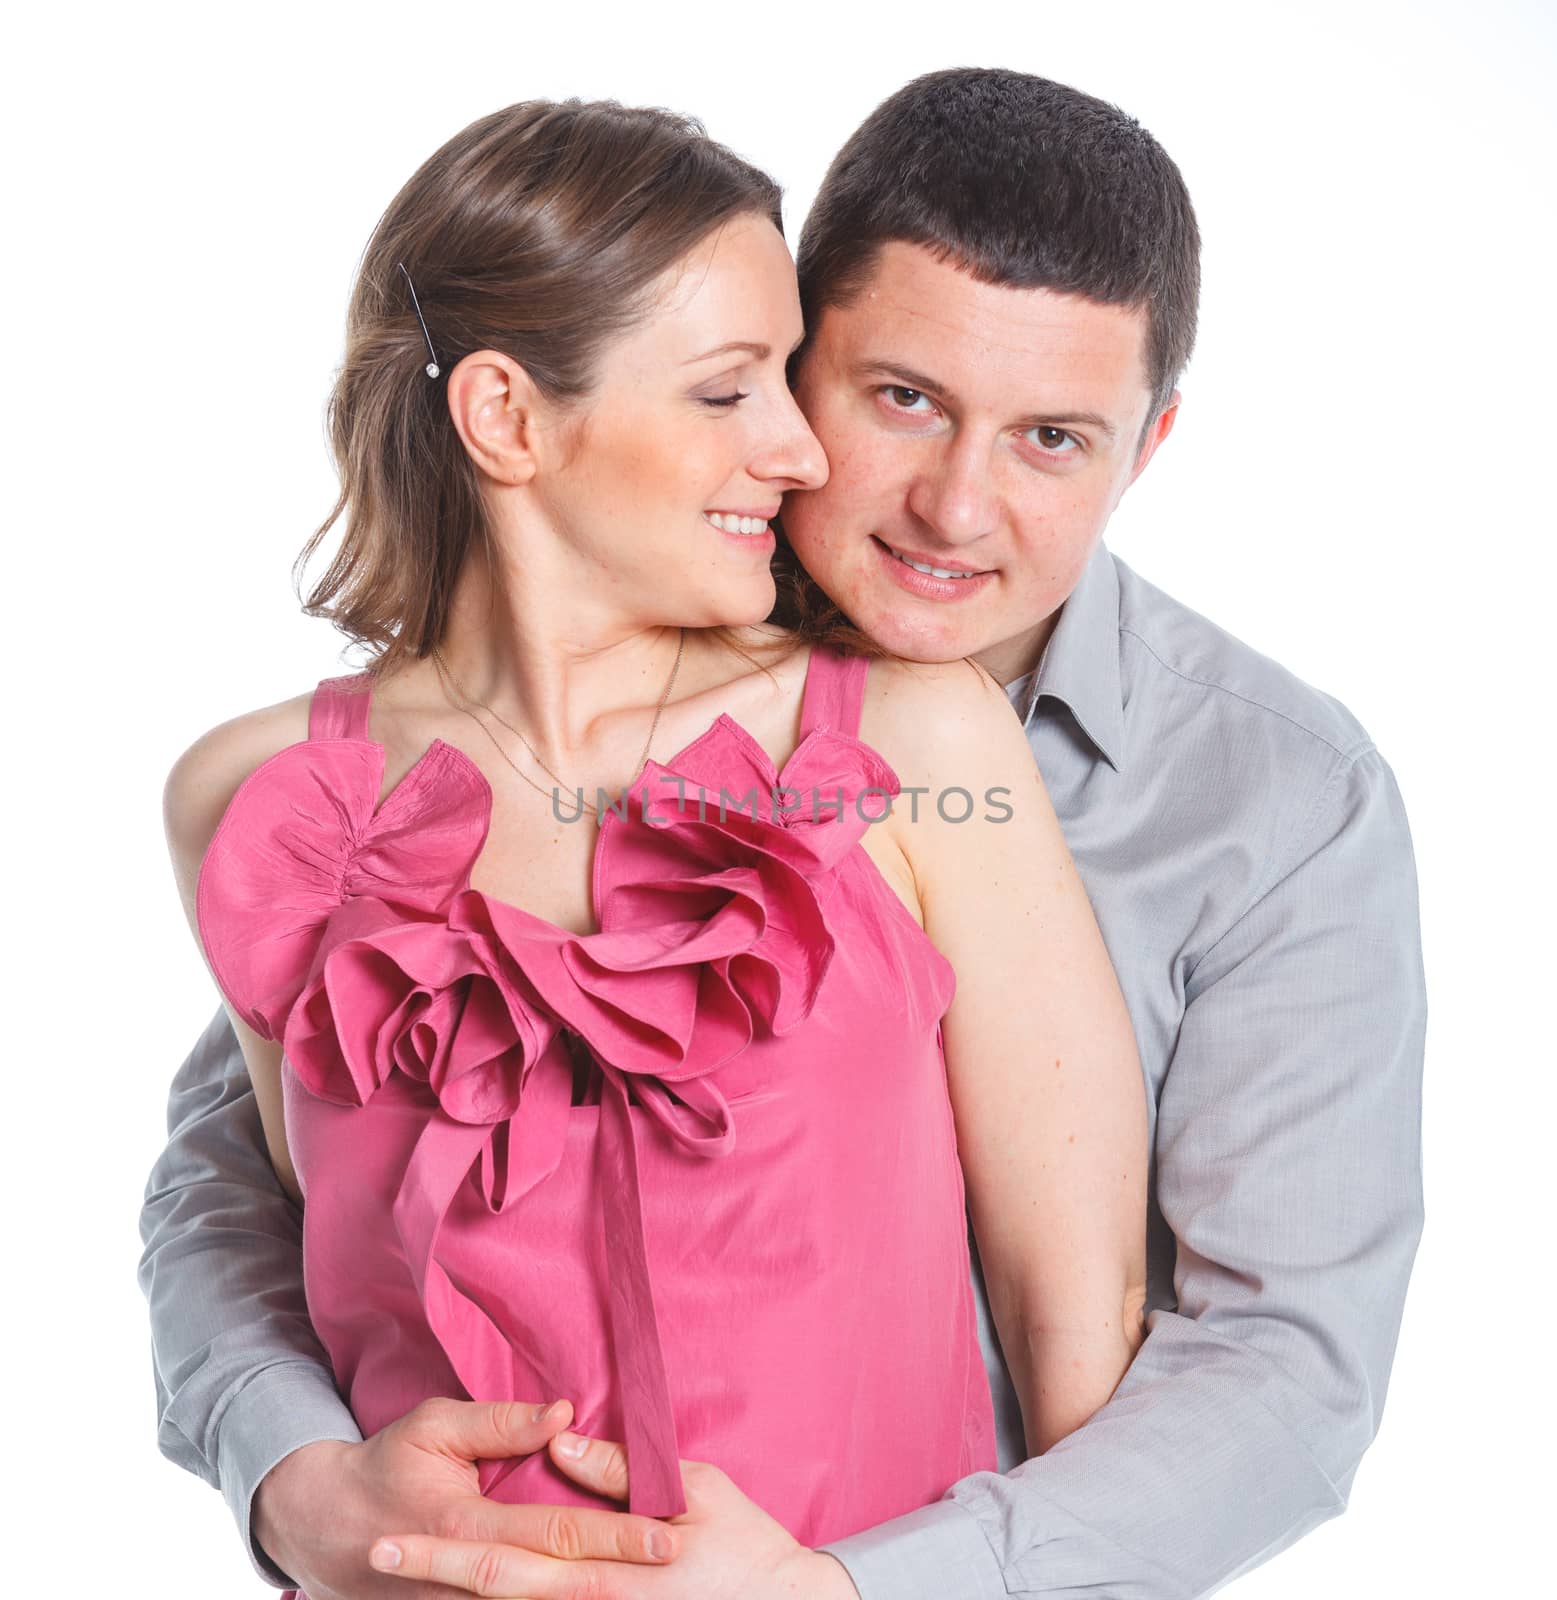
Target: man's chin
point(895, 632)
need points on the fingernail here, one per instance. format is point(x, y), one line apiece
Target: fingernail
point(659, 1545)
point(542, 1412)
point(571, 1445)
point(386, 1557)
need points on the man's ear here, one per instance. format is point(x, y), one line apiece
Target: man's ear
point(496, 410)
point(1159, 430)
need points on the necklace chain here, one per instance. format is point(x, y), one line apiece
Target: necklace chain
point(447, 678)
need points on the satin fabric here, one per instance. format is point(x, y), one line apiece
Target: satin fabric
point(752, 1250)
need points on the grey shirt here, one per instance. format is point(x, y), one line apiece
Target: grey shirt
point(1247, 854)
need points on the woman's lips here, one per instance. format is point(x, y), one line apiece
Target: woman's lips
point(925, 586)
point(759, 538)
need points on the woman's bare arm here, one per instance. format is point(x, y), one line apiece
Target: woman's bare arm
point(198, 790)
point(1042, 1066)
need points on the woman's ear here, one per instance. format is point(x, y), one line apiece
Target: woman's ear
point(496, 409)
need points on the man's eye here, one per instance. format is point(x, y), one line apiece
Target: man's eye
point(1053, 441)
point(906, 399)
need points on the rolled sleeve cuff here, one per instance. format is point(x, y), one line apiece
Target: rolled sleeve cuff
point(278, 1411)
point(938, 1552)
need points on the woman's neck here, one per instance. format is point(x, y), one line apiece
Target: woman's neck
point(571, 677)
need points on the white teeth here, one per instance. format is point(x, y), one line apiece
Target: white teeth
point(728, 522)
point(933, 572)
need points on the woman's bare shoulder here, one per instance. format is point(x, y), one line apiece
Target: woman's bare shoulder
point(927, 717)
point(206, 775)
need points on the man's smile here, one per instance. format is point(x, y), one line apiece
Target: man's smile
point(931, 578)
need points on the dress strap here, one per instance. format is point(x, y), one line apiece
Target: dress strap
point(339, 708)
point(834, 692)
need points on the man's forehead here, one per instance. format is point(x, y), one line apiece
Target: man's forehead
point(936, 316)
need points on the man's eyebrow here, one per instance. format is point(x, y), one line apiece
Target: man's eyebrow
point(909, 379)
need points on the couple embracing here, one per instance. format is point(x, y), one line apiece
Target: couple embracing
point(707, 1100)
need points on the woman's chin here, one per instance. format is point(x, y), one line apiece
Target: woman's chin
point(736, 607)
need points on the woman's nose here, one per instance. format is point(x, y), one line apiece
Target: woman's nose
point(793, 457)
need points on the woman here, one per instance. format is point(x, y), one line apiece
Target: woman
point(648, 1108)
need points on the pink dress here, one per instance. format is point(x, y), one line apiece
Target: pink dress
point(752, 1249)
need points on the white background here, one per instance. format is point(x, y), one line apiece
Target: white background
point(1357, 486)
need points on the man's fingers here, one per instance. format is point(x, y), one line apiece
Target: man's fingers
point(598, 1464)
point(571, 1533)
point(475, 1568)
point(484, 1568)
point(478, 1430)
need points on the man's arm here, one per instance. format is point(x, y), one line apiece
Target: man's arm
point(242, 1381)
point(241, 1378)
point(1288, 1151)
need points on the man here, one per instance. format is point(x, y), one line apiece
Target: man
point(1000, 278)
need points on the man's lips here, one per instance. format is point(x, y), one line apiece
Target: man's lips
point(926, 585)
point(961, 569)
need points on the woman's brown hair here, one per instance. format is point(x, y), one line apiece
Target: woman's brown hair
point(538, 231)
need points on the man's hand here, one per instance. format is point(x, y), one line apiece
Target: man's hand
point(318, 1510)
point(731, 1549)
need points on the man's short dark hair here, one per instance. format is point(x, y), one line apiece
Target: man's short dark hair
point(1024, 183)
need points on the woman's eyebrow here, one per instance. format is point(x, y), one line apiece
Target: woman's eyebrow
point(910, 379)
point(759, 352)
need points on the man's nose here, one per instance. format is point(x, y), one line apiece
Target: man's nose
point(953, 495)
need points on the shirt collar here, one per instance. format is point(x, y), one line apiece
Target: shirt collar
point(1080, 663)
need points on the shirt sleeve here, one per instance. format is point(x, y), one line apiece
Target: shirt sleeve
point(1288, 1165)
point(241, 1379)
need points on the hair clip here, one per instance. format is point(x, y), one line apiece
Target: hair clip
point(432, 366)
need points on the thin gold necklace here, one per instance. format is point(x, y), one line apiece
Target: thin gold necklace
point(447, 678)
